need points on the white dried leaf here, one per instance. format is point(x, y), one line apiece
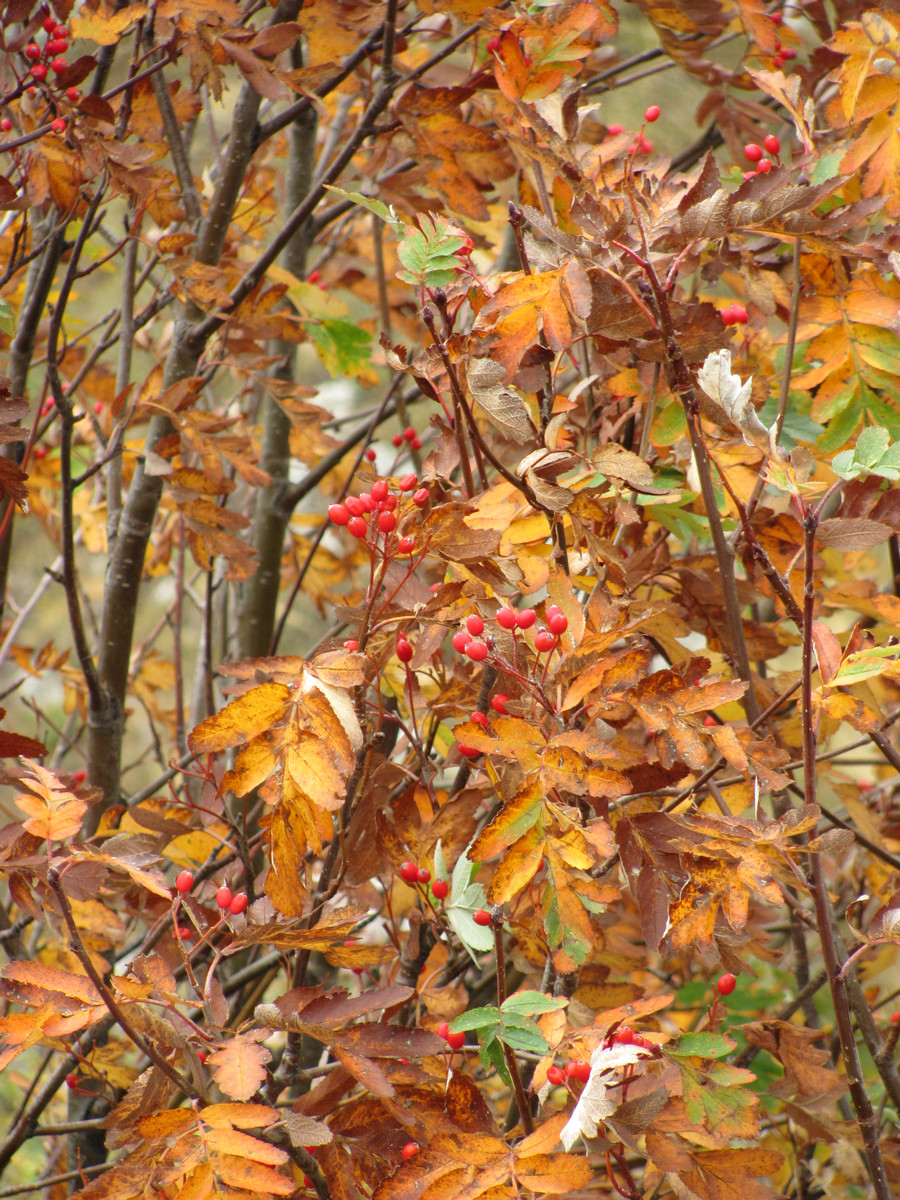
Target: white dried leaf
point(595, 1102)
point(726, 389)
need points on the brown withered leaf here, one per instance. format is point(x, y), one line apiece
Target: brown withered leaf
point(807, 1070)
point(503, 406)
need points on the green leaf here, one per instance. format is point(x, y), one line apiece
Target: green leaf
point(520, 1037)
point(7, 317)
point(702, 1045)
point(374, 206)
point(344, 349)
point(491, 1053)
point(475, 1018)
point(527, 1003)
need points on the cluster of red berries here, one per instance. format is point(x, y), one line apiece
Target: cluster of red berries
point(50, 57)
point(412, 874)
point(408, 435)
point(467, 641)
point(734, 314)
point(754, 153)
point(381, 504)
point(234, 904)
point(455, 1041)
point(783, 54)
point(575, 1069)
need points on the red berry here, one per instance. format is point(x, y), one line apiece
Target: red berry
point(481, 916)
point(416, 444)
point(314, 277)
point(370, 454)
point(727, 314)
point(726, 984)
point(420, 497)
point(357, 526)
point(98, 407)
point(493, 45)
point(710, 720)
point(765, 166)
point(740, 314)
point(32, 51)
point(379, 490)
point(6, 124)
point(397, 440)
point(625, 1036)
point(406, 545)
point(409, 1150)
point(526, 618)
point(387, 522)
point(183, 932)
point(643, 145)
point(479, 719)
point(468, 751)
point(79, 777)
point(39, 72)
point(776, 18)
point(544, 641)
point(787, 54)
point(475, 625)
point(443, 1029)
point(56, 46)
point(614, 130)
point(49, 24)
point(389, 503)
point(223, 897)
point(73, 94)
point(460, 640)
point(59, 65)
point(72, 1079)
point(201, 1054)
point(651, 113)
point(772, 145)
point(409, 482)
point(238, 904)
point(498, 703)
point(456, 1041)
point(368, 504)
point(477, 651)
point(409, 871)
point(558, 623)
point(777, 61)
point(556, 1075)
point(752, 152)
point(354, 506)
point(506, 618)
point(351, 644)
point(40, 452)
point(60, 31)
point(578, 1070)
point(404, 651)
point(440, 889)
point(409, 433)
point(184, 881)
point(895, 1018)
point(423, 875)
point(338, 514)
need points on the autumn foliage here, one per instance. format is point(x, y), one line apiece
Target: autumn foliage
point(449, 574)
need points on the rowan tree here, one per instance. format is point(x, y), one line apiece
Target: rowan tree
point(449, 575)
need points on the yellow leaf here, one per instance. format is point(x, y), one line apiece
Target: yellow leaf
point(242, 720)
point(105, 26)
